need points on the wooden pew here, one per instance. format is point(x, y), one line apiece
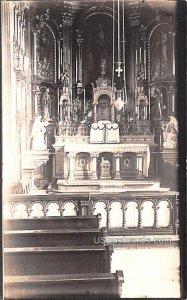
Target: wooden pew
point(52, 238)
point(53, 223)
point(106, 285)
point(57, 260)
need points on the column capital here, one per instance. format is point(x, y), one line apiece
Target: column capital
point(94, 155)
point(118, 155)
point(71, 155)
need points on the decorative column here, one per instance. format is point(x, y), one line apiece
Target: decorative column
point(155, 208)
point(67, 45)
point(170, 207)
point(173, 40)
point(108, 209)
point(117, 157)
point(112, 114)
point(124, 209)
point(71, 166)
point(139, 165)
point(140, 207)
point(79, 56)
point(94, 165)
point(95, 113)
point(35, 31)
point(59, 58)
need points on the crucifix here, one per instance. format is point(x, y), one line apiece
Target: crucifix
point(119, 69)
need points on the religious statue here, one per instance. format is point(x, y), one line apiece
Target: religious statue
point(44, 42)
point(140, 85)
point(46, 106)
point(140, 79)
point(38, 134)
point(159, 56)
point(65, 81)
point(158, 103)
point(170, 133)
point(64, 107)
point(101, 42)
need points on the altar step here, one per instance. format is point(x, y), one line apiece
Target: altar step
point(110, 185)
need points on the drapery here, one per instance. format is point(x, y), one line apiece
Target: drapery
point(102, 132)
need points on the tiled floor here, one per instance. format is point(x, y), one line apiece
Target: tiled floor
point(149, 271)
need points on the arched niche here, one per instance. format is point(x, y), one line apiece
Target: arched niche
point(160, 51)
point(96, 27)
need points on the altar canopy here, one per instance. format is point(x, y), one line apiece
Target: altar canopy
point(104, 132)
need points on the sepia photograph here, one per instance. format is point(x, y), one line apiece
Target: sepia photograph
point(90, 149)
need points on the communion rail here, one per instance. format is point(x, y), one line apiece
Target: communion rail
point(121, 214)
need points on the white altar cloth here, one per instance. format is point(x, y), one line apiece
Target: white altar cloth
point(104, 132)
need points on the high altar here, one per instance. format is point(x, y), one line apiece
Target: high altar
point(98, 150)
point(101, 99)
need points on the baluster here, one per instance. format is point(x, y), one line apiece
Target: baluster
point(108, 209)
point(155, 208)
point(171, 216)
point(124, 208)
point(12, 208)
point(45, 208)
point(140, 207)
point(61, 208)
point(29, 208)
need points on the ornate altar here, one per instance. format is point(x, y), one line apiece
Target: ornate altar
point(101, 101)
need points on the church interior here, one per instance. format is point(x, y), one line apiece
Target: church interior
point(90, 159)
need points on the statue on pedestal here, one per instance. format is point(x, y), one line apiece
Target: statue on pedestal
point(170, 133)
point(157, 104)
point(46, 106)
point(65, 82)
point(38, 134)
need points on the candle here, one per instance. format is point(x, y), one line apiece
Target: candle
point(173, 103)
point(145, 62)
point(84, 101)
point(136, 58)
point(173, 53)
point(140, 54)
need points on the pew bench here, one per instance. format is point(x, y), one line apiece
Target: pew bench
point(50, 238)
point(60, 286)
point(57, 260)
point(42, 223)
